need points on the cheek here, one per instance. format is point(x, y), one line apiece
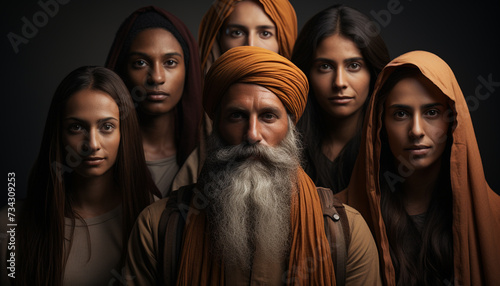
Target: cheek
point(272, 45)
point(319, 84)
point(440, 133)
point(135, 77)
point(362, 85)
point(231, 133)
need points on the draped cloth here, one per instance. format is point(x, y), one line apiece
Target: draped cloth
point(310, 261)
point(476, 208)
point(256, 65)
point(189, 110)
point(281, 13)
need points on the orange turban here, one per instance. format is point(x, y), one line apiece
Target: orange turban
point(259, 66)
point(281, 13)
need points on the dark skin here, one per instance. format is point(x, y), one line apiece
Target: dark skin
point(156, 66)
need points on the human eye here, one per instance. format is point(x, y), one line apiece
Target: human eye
point(139, 63)
point(107, 127)
point(171, 63)
point(400, 115)
point(269, 117)
point(75, 128)
point(432, 113)
point(235, 32)
point(266, 34)
point(354, 66)
point(324, 67)
point(236, 116)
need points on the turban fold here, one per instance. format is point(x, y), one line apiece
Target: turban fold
point(281, 13)
point(259, 66)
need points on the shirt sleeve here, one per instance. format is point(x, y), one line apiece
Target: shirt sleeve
point(142, 264)
point(362, 256)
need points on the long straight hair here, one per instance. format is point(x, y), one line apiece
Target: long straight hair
point(419, 258)
point(41, 239)
point(357, 27)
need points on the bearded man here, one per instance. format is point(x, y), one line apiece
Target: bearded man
point(254, 217)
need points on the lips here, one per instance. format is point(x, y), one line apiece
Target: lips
point(156, 95)
point(341, 99)
point(418, 149)
point(93, 161)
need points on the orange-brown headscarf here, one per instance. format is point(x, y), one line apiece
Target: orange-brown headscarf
point(476, 208)
point(281, 13)
point(258, 66)
point(310, 261)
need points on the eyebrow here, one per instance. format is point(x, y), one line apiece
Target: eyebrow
point(403, 106)
point(353, 59)
point(148, 56)
point(98, 121)
point(244, 27)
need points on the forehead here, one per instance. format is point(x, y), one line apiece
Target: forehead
point(155, 38)
point(338, 46)
point(91, 103)
point(415, 91)
point(249, 13)
point(250, 96)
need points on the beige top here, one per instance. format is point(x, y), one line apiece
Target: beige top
point(163, 172)
point(104, 248)
point(362, 262)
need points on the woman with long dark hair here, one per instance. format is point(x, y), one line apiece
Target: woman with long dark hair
point(341, 55)
point(419, 180)
point(157, 58)
point(86, 188)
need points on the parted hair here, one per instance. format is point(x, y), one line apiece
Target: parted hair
point(357, 27)
point(41, 232)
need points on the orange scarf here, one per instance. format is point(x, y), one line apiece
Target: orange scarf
point(310, 260)
point(281, 13)
point(476, 208)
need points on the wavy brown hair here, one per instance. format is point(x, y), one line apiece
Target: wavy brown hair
point(41, 232)
point(357, 27)
point(419, 258)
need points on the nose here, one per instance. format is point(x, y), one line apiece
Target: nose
point(253, 134)
point(417, 128)
point(340, 79)
point(156, 75)
point(251, 39)
point(92, 144)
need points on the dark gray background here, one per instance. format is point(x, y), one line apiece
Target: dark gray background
point(465, 35)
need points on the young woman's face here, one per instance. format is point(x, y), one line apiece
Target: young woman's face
point(416, 121)
point(156, 71)
point(339, 77)
point(91, 132)
point(249, 25)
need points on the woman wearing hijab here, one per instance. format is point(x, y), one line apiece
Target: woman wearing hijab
point(419, 180)
point(341, 57)
point(269, 24)
point(157, 57)
point(86, 188)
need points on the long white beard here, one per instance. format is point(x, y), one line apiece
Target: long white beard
point(250, 188)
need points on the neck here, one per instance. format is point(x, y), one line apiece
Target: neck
point(418, 189)
point(338, 132)
point(158, 135)
point(94, 196)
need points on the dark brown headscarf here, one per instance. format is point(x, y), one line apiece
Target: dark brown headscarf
point(476, 208)
point(188, 111)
